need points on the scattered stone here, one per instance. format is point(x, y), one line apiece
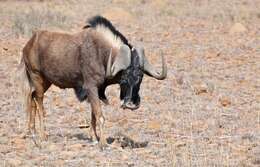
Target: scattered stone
point(55, 89)
point(53, 147)
point(180, 144)
point(75, 147)
point(57, 101)
point(18, 143)
point(237, 28)
point(5, 149)
point(200, 88)
point(123, 122)
point(71, 101)
point(179, 79)
point(225, 101)
point(82, 108)
point(154, 125)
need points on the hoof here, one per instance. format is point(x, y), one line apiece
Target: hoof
point(25, 135)
point(93, 142)
point(44, 114)
point(44, 137)
point(103, 146)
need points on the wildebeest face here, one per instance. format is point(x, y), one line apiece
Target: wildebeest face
point(132, 65)
point(130, 83)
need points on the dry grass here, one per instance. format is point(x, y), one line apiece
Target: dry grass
point(205, 114)
point(24, 23)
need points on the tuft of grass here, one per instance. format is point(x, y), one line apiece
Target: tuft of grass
point(25, 22)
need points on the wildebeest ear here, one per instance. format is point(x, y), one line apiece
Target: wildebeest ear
point(122, 60)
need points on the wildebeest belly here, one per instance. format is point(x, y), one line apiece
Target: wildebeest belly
point(64, 80)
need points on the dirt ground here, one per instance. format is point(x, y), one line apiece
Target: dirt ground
point(206, 113)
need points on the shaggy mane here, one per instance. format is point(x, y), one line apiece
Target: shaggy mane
point(105, 27)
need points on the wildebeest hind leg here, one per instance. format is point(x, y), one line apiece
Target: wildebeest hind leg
point(32, 121)
point(32, 116)
point(41, 85)
point(29, 114)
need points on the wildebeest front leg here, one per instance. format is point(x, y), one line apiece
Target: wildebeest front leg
point(92, 130)
point(98, 119)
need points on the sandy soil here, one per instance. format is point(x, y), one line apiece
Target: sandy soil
point(206, 113)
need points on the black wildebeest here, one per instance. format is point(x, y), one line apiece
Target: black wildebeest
point(88, 62)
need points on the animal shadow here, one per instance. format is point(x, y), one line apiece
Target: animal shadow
point(81, 136)
point(125, 141)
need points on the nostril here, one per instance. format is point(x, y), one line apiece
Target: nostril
point(130, 105)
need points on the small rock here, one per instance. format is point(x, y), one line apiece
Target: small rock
point(154, 125)
point(180, 144)
point(200, 88)
point(179, 79)
point(225, 101)
point(237, 28)
point(71, 102)
point(75, 147)
point(55, 89)
point(82, 108)
point(18, 143)
point(57, 101)
point(52, 147)
point(122, 122)
point(5, 149)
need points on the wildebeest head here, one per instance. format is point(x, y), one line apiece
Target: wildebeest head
point(132, 64)
point(130, 82)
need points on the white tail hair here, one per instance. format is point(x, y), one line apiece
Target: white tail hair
point(25, 85)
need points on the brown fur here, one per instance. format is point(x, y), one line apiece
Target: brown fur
point(67, 61)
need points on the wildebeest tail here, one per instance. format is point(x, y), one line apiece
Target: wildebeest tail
point(25, 85)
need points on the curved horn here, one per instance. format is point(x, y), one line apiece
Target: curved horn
point(149, 69)
point(108, 70)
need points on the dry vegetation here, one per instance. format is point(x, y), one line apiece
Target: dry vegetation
point(207, 113)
